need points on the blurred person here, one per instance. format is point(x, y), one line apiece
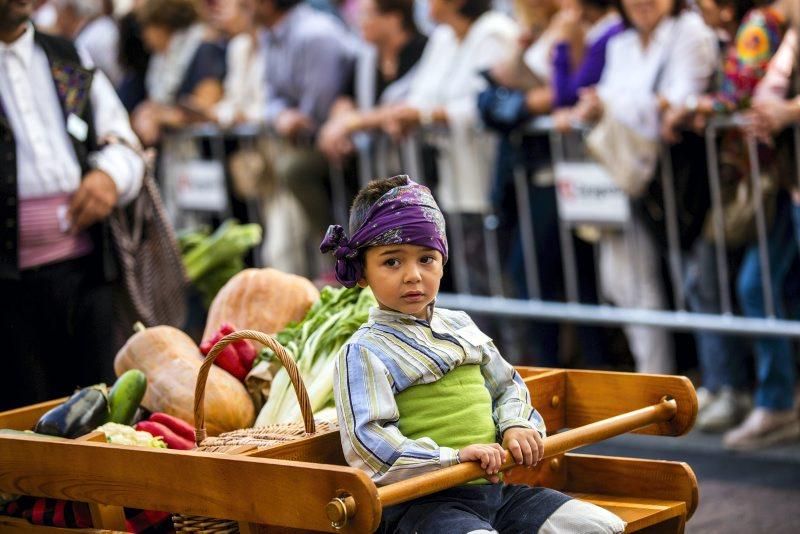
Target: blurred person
point(470, 37)
point(185, 73)
point(385, 68)
point(774, 418)
point(568, 54)
point(309, 57)
point(69, 159)
point(750, 36)
point(665, 55)
point(244, 86)
point(134, 59)
point(86, 23)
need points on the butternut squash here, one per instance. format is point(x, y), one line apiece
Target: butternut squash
point(170, 360)
point(265, 300)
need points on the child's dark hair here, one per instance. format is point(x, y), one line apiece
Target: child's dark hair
point(369, 195)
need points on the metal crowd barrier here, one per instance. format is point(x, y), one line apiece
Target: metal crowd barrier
point(497, 304)
point(407, 158)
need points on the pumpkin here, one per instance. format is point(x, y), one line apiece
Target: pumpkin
point(170, 360)
point(265, 300)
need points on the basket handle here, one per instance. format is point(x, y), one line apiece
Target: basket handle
point(283, 356)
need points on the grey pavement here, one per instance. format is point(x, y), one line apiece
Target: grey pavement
point(751, 492)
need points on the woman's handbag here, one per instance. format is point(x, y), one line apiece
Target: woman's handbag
point(150, 264)
point(629, 157)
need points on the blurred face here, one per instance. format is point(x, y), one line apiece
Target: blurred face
point(375, 26)
point(646, 14)
point(403, 278)
point(714, 15)
point(441, 10)
point(156, 38)
point(13, 13)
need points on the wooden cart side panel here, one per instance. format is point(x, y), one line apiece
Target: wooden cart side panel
point(549, 473)
point(656, 479)
point(595, 395)
point(25, 418)
point(548, 395)
point(254, 490)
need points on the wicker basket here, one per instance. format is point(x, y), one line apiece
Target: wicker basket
point(248, 438)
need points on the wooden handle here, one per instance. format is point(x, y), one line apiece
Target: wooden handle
point(283, 356)
point(341, 509)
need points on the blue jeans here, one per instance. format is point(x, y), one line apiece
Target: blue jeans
point(722, 358)
point(774, 360)
point(512, 508)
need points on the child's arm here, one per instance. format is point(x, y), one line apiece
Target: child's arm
point(368, 415)
point(510, 398)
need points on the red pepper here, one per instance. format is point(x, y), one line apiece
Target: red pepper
point(179, 426)
point(236, 358)
point(173, 440)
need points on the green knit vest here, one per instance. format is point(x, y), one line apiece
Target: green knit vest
point(455, 411)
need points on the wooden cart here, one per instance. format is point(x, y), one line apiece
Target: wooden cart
point(307, 486)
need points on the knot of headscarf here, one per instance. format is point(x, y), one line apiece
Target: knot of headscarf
point(406, 214)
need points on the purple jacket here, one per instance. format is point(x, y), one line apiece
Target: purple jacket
point(567, 81)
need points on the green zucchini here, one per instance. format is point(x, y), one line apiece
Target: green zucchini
point(125, 396)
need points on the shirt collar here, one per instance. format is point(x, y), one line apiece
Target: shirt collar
point(378, 314)
point(22, 47)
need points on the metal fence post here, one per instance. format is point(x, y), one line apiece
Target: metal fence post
point(761, 226)
point(568, 264)
point(673, 237)
point(527, 235)
point(719, 222)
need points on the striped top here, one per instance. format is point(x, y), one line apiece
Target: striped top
point(393, 351)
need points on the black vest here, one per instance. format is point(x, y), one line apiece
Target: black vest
point(73, 83)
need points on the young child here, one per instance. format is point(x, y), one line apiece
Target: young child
point(420, 388)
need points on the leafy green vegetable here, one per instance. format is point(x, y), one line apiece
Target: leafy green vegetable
point(314, 344)
point(213, 259)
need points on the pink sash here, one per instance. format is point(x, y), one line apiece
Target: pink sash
point(43, 232)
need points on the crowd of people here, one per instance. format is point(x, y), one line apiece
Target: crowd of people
point(333, 80)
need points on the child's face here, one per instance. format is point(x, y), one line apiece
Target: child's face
point(403, 278)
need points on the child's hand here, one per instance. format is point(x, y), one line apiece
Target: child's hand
point(524, 444)
point(490, 456)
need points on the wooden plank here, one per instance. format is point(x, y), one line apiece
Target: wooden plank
point(595, 395)
point(638, 512)
point(549, 473)
point(26, 417)
point(255, 490)
point(13, 525)
point(95, 435)
point(659, 479)
point(548, 396)
point(324, 448)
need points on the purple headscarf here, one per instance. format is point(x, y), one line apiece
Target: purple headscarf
point(406, 214)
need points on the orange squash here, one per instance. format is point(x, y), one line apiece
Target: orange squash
point(171, 360)
point(261, 299)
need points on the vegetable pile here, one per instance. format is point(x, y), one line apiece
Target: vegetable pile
point(212, 259)
point(314, 343)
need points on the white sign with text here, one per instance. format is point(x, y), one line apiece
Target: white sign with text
point(587, 194)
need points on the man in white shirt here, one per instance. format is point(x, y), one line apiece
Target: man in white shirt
point(58, 185)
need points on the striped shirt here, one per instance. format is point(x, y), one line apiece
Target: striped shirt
point(393, 351)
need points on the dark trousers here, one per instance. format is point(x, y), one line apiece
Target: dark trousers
point(56, 332)
point(509, 509)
